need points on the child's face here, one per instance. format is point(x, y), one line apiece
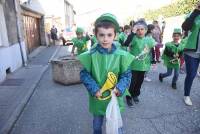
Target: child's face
point(176, 37)
point(140, 30)
point(127, 31)
point(153, 30)
point(79, 35)
point(106, 36)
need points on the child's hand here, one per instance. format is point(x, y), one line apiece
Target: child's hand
point(176, 55)
point(116, 91)
point(98, 94)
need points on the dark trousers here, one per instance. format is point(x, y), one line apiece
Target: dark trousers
point(169, 73)
point(191, 71)
point(136, 83)
point(157, 49)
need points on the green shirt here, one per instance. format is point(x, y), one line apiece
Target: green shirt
point(192, 42)
point(136, 47)
point(81, 44)
point(174, 49)
point(122, 38)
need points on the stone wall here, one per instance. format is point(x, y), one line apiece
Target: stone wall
point(10, 55)
point(10, 18)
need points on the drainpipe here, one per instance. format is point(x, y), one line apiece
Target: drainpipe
point(19, 35)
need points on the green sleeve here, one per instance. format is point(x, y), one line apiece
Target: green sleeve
point(152, 42)
point(183, 43)
point(74, 40)
point(94, 39)
point(87, 38)
point(121, 38)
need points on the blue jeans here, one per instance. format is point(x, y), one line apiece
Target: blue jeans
point(191, 71)
point(97, 125)
point(169, 73)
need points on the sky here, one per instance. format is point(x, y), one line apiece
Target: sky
point(88, 10)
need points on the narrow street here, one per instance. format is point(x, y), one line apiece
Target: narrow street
point(58, 109)
point(17, 89)
point(38, 38)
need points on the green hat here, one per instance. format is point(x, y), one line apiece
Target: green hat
point(79, 30)
point(108, 17)
point(177, 31)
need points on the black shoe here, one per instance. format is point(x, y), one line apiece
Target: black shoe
point(129, 101)
point(158, 61)
point(160, 78)
point(136, 100)
point(174, 86)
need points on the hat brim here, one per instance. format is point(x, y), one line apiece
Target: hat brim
point(107, 18)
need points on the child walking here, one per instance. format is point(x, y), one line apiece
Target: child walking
point(103, 64)
point(139, 44)
point(171, 56)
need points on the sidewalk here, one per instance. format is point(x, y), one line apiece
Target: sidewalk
point(17, 89)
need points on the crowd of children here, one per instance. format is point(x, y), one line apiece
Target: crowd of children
point(128, 55)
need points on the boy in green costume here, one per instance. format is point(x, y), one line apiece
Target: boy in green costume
point(102, 61)
point(139, 44)
point(80, 42)
point(172, 53)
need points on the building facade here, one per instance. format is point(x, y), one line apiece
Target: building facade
point(12, 45)
point(25, 25)
point(56, 12)
point(33, 27)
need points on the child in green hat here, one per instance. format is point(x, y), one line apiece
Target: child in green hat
point(171, 56)
point(80, 42)
point(140, 44)
point(106, 68)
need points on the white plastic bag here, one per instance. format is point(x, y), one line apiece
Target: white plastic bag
point(113, 116)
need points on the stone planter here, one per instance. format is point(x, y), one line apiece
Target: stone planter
point(66, 70)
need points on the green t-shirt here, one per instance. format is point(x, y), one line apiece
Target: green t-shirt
point(81, 44)
point(136, 48)
point(172, 62)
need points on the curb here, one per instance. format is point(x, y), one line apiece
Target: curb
point(54, 54)
point(7, 128)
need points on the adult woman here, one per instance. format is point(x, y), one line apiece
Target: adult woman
point(192, 50)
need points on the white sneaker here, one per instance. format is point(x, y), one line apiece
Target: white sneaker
point(198, 74)
point(187, 100)
point(147, 79)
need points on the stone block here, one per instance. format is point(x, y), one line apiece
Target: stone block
point(66, 70)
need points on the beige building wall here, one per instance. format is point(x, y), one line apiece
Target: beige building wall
point(10, 52)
